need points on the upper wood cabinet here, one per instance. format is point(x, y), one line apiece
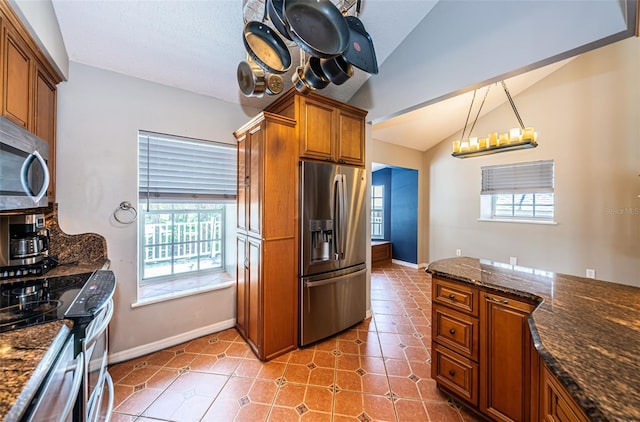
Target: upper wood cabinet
point(28, 85)
point(327, 130)
point(18, 66)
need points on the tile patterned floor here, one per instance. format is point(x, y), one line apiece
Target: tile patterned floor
point(378, 370)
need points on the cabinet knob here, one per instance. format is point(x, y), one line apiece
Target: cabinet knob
point(452, 373)
point(452, 296)
point(452, 331)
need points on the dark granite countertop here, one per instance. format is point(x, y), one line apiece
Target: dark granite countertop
point(586, 331)
point(26, 355)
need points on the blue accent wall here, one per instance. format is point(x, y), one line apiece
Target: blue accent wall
point(400, 210)
point(404, 221)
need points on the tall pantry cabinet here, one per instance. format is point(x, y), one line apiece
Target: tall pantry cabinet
point(267, 277)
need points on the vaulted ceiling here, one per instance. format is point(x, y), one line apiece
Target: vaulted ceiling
point(429, 52)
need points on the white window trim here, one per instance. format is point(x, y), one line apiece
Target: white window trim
point(486, 210)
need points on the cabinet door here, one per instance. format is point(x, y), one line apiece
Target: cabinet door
point(243, 184)
point(350, 138)
point(45, 121)
point(555, 403)
point(255, 182)
point(254, 295)
point(317, 130)
point(505, 360)
point(241, 285)
point(17, 90)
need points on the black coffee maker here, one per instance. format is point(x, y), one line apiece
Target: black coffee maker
point(24, 245)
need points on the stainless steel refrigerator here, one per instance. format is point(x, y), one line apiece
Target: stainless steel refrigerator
point(333, 249)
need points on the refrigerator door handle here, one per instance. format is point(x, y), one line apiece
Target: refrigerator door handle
point(340, 202)
point(333, 280)
point(310, 284)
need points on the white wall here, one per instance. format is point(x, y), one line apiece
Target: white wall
point(99, 115)
point(587, 115)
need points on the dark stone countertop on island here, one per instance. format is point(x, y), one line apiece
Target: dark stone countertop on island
point(586, 331)
point(26, 355)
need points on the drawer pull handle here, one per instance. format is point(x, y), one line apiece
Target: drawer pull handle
point(452, 296)
point(452, 331)
point(452, 373)
point(505, 301)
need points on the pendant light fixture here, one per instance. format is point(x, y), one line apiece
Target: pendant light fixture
point(517, 138)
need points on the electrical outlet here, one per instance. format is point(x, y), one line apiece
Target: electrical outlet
point(591, 273)
point(513, 260)
point(458, 252)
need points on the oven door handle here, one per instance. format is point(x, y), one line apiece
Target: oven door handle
point(109, 382)
point(75, 387)
point(102, 325)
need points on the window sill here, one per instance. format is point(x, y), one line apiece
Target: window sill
point(509, 220)
point(157, 298)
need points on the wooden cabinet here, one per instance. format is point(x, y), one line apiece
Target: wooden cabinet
point(17, 65)
point(28, 88)
point(327, 130)
point(267, 270)
point(44, 120)
point(380, 252)
point(242, 277)
point(455, 334)
point(482, 349)
point(556, 405)
point(505, 364)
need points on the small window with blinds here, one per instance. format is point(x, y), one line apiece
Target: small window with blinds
point(185, 189)
point(518, 192)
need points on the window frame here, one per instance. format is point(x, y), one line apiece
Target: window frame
point(142, 281)
point(543, 184)
point(185, 176)
point(380, 210)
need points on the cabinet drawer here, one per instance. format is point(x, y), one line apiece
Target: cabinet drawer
point(456, 330)
point(455, 373)
point(458, 296)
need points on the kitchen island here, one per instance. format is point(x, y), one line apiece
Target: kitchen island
point(586, 332)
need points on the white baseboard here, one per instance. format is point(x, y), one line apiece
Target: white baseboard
point(368, 314)
point(423, 265)
point(170, 341)
point(405, 264)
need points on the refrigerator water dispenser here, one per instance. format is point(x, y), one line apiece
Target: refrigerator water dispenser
point(321, 239)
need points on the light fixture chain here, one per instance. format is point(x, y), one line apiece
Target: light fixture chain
point(480, 109)
point(468, 114)
point(513, 105)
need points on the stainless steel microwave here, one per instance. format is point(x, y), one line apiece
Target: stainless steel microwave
point(24, 176)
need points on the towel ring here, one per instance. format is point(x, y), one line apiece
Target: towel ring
point(131, 211)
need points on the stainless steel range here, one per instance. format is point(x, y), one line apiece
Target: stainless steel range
point(74, 387)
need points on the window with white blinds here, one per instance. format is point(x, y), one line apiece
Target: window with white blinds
point(518, 178)
point(522, 192)
point(187, 185)
point(178, 169)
